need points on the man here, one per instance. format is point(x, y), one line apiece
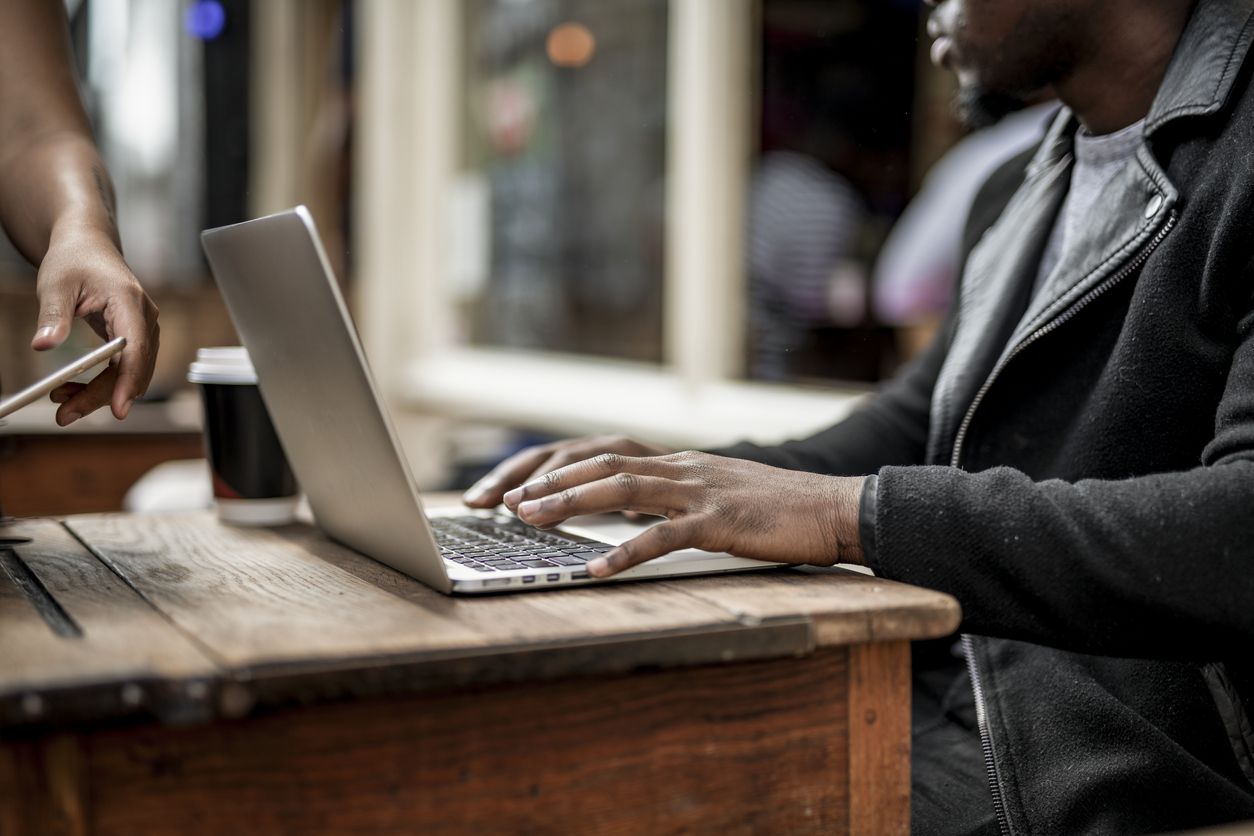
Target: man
point(1073, 458)
point(56, 204)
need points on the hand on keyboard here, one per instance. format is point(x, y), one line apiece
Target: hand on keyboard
point(534, 462)
point(710, 502)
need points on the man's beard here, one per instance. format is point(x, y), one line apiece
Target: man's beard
point(977, 107)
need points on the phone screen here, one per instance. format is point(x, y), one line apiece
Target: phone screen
point(36, 391)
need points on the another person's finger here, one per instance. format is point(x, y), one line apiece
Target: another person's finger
point(65, 391)
point(88, 399)
point(56, 314)
point(135, 319)
point(652, 494)
point(663, 538)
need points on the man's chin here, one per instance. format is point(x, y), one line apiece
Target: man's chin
point(978, 107)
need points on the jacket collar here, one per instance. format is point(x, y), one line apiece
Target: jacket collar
point(1198, 80)
point(1206, 61)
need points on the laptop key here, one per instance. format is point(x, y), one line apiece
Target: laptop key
point(536, 564)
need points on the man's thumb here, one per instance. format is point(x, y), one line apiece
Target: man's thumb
point(56, 315)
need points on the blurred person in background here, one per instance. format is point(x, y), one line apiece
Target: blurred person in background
point(807, 224)
point(804, 228)
point(1072, 458)
point(917, 268)
point(57, 206)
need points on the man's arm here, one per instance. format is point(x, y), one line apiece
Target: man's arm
point(56, 203)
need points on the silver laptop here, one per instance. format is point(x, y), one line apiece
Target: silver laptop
point(313, 376)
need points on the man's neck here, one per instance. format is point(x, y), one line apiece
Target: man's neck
point(1113, 84)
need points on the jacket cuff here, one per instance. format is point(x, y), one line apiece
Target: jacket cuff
point(868, 507)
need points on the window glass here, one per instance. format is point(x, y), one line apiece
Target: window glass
point(836, 97)
point(557, 239)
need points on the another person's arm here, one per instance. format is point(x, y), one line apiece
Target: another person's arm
point(57, 205)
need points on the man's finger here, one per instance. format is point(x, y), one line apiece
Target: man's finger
point(651, 494)
point(661, 539)
point(602, 466)
point(90, 398)
point(566, 455)
point(487, 492)
point(56, 315)
point(558, 460)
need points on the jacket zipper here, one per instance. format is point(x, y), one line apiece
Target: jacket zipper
point(1083, 302)
point(986, 740)
point(977, 686)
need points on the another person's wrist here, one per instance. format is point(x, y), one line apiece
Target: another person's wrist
point(86, 229)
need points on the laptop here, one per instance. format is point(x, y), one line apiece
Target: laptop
point(314, 379)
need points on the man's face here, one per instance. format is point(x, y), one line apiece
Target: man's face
point(1008, 47)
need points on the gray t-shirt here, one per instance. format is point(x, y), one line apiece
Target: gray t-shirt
point(1097, 160)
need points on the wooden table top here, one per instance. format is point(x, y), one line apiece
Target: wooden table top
point(182, 619)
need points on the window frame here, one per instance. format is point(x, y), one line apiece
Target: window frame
point(410, 65)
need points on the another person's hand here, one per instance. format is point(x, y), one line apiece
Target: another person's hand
point(710, 502)
point(83, 275)
point(532, 463)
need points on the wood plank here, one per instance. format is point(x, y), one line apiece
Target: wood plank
point(879, 738)
point(744, 748)
point(846, 607)
point(283, 608)
point(116, 657)
point(251, 598)
point(44, 787)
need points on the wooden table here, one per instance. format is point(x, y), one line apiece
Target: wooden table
point(89, 465)
point(166, 674)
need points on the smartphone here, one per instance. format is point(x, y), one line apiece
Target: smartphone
point(36, 391)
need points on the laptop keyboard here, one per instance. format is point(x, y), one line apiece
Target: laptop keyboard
point(501, 543)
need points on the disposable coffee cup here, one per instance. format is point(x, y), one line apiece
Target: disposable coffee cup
point(253, 483)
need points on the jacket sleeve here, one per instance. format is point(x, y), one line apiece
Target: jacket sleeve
point(1159, 565)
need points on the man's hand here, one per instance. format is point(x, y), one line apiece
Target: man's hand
point(83, 275)
point(710, 502)
point(534, 462)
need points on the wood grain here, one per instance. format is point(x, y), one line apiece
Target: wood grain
point(879, 738)
point(744, 748)
point(845, 607)
point(127, 660)
point(290, 595)
point(585, 710)
point(44, 787)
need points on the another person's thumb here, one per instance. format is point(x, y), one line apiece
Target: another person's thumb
point(56, 315)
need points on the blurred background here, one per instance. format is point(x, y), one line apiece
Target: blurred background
point(681, 219)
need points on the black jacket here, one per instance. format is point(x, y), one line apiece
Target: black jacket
point(1084, 485)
